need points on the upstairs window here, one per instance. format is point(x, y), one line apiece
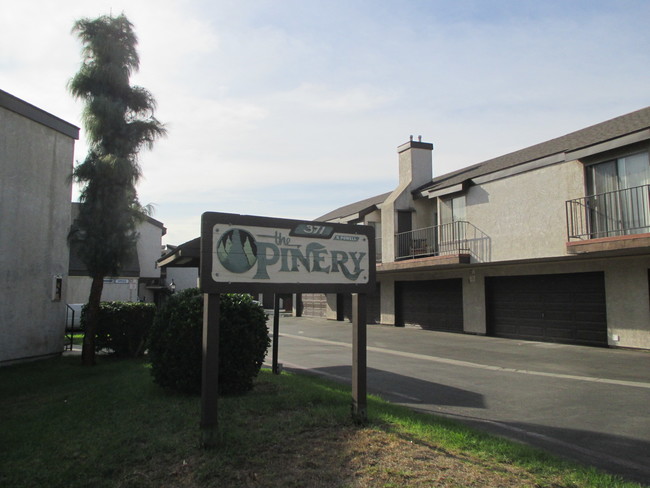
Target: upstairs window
point(618, 174)
point(452, 210)
point(618, 201)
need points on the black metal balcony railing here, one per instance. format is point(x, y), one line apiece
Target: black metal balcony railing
point(615, 213)
point(453, 238)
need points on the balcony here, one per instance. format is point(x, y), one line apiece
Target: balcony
point(609, 221)
point(451, 243)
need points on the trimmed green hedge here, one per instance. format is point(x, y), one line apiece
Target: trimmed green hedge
point(175, 342)
point(123, 327)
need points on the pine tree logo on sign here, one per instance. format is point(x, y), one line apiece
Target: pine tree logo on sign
point(237, 251)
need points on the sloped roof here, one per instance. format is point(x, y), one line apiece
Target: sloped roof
point(362, 207)
point(21, 107)
point(186, 255)
point(589, 136)
point(595, 134)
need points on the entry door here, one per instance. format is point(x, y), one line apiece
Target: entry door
point(404, 240)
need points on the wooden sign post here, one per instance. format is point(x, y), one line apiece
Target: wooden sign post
point(276, 333)
point(359, 358)
point(248, 254)
point(210, 370)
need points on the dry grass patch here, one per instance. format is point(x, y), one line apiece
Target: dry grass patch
point(340, 456)
point(379, 458)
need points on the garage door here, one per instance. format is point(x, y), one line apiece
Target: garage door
point(566, 308)
point(314, 304)
point(432, 305)
point(373, 314)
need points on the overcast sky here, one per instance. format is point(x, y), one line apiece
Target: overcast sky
point(292, 108)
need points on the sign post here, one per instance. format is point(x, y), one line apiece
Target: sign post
point(248, 254)
point(210, 370)
point(276, 333)
point(359, 358)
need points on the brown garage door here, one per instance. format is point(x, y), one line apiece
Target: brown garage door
point(566, 308)
point(314, 304)
point(433, 304)
point(373, 314)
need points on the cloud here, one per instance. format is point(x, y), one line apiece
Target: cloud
point(294, 108)
point(323, 98)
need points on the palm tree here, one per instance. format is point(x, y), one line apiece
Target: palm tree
point(119, 121)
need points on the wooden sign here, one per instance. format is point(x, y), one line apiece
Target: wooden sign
point(241, 253)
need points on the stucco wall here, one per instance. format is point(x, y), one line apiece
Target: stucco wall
point(35, 193)
point(400, 199)
point(121, 289)
point(330, 309)
point(374, 216)
point(628, 302)
point(424, 215)
point(387, 300)
point(415, 169)
point(183, 277)
point(524, 216)
point(149, 242)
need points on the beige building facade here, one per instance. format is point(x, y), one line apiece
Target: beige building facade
point(549, 243)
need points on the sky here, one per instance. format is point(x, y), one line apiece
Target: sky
point(293, 108)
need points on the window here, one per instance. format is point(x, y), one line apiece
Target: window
point(618, 200)
point(452, 223)
point(452, 209)
point(619, 174)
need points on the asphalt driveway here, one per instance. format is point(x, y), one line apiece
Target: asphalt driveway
point(589, 404)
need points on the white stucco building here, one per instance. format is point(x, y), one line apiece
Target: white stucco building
point(36, 160)
point(139, 279)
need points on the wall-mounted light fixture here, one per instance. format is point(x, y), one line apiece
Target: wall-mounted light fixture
point(57, 287)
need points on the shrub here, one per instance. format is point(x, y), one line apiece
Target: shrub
point(175, 346)
point(122, 327)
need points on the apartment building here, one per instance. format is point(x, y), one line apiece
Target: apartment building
point(139, 278)
point(548, 243)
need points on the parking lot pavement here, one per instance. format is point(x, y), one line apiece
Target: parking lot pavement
point(589, 404)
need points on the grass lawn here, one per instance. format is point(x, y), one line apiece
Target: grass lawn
point(62, 425)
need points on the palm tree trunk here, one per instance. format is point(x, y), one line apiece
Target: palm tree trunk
point(94, 300)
